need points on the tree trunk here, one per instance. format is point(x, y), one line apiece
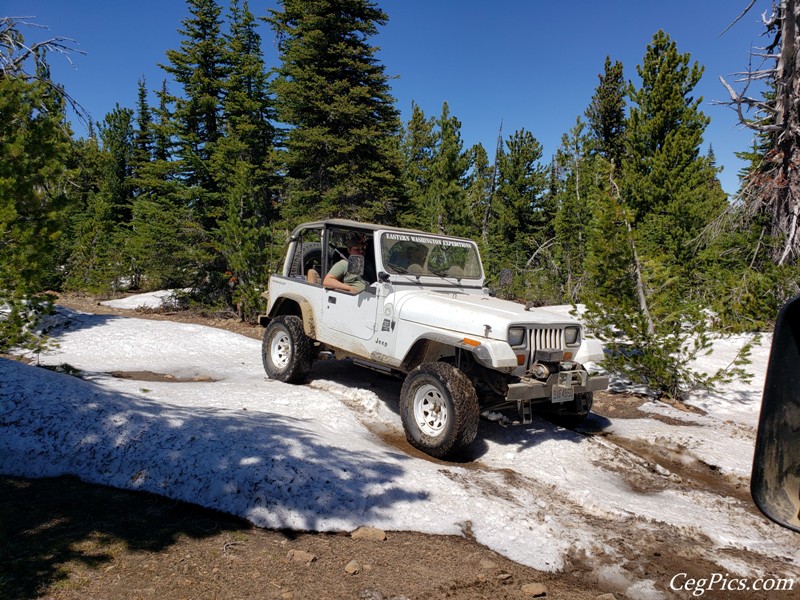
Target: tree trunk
point(637, 268)
point(651, 327)
point(488, 212)
point(773, 188)
point(787, 117)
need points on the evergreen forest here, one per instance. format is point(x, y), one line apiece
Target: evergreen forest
point(198, 185)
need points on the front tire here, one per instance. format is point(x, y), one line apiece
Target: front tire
point(287, 352)
point(439, 409)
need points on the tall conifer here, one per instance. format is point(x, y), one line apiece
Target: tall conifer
point(244, 160)
point(342, 155)
point(479, 191)
point(646, 303)
point(444, 207)
point(521, 218)
point(666, 179)
point(167, 244)
point(35, 144)
point(417, 146)
point(99, 261)
point(576, 190)
point(606, 112)
point(199, 68)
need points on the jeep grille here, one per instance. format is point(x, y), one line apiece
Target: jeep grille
point(550, 338)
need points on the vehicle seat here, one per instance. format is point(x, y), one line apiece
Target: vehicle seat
point(455, 271)
point(313, 276)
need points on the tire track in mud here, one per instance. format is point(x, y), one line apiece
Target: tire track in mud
point(627, 547)
point(630, 547)
point(681, 469)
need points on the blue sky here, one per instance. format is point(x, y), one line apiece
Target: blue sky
point(528, 63)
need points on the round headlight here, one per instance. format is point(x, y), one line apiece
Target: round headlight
point(516, 336)
point(572, 336)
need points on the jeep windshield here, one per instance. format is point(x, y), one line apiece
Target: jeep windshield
point(420, 255)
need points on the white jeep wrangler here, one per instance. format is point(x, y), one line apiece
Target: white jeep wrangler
point(425, 315)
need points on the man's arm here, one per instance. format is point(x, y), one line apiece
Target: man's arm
point(333, 281)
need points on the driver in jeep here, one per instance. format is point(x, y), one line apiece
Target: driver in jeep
point(339, 279)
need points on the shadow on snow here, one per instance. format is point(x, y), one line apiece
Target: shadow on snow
point(270, 469)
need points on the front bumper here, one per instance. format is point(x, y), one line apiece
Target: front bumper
point(533, 389)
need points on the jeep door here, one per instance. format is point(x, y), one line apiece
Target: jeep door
point(353, 315)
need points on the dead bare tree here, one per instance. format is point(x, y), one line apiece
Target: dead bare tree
point(16, 56)
point(487, 213)
point(773, 186)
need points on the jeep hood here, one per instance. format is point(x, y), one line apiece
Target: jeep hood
point(471, 314)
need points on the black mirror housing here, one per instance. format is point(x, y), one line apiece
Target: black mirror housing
point(355, 265)
point(775, 481)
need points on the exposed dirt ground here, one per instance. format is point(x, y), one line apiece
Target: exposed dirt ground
point(62, 539)
point(67, 540)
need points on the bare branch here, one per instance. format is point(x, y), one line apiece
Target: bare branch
point(536, 252)
point(790, 239)
point(739, 18)
point(15, 53)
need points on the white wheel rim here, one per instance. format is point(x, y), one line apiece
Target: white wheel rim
point(281, 349)
point(430, 410)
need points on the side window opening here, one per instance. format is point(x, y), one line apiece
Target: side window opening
point(307, 262)
point(338, 240)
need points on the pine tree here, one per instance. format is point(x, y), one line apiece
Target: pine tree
point(610, 265)
point(577, 189)
point(35, 143)
point(521, 221)
point(98, 262)
point(613, 266)
point(200, 70)
point(444, 206)
point(166, 243)
point(646, 304)
point(606, 112)
point(447, 186)
point(665, 179)
point(247, 111)
point(418, 145)
point(163, 128)
point(244, 158)
point(479, 192)
point(342, 155)
point(117, 135)
point(143, 144)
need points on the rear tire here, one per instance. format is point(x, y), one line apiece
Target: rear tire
point(287, 352)
point(310, 257)
point(439, 409)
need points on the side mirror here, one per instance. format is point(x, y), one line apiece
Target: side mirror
point(504, 282)
point(506, 278)
point(775, 481)
point(355, 265)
